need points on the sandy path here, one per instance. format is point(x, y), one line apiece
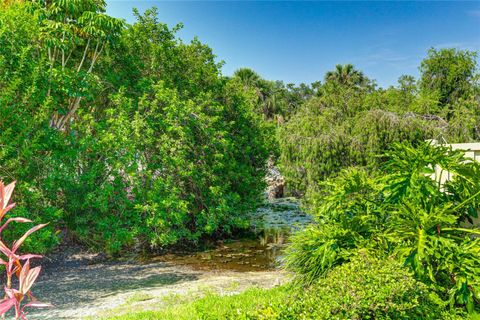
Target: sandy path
point(93, 290)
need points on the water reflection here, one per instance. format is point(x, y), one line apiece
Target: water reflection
point(258, 252)
point(248, 254)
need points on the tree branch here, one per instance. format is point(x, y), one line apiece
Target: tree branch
point(84, 55)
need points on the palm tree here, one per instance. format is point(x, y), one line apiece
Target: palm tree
point(264, 89)
point(346, 75)
point(248, 77)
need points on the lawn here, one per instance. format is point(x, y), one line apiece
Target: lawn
point(212, 306)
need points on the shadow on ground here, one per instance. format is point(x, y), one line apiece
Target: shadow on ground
point(78, 282)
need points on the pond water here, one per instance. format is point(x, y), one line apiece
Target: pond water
point(250, 254)
point(272, 224)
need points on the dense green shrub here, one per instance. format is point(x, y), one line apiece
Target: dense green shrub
point(123, 135)
point(192, 168)
point(347, 217)
point(364, 288)
point(402, 212)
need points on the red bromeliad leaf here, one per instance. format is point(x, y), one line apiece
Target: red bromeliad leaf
point(26, 275)
point(17, 219)
point(7, 304)
point(19, 242)
point(5, 195)
point(28, 278)
point(12, 293)
point(23, 276)
point(4, 249)
point(29, 256)
point(32, 277)
point(6, 209)
point(2, 194)
point(18, 267)
point(8, 193)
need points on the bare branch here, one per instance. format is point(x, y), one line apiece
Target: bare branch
point(63, 50)
point(84, 55)
point(69, 55)
point(76, 104)
point(95, 56)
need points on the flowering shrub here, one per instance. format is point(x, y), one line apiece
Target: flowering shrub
point(17, 265)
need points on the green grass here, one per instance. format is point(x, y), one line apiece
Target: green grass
point(212, 306)
point(139, 297)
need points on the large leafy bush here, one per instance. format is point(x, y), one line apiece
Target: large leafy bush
point(123, 135)
point(403, 212)
point(177, 170)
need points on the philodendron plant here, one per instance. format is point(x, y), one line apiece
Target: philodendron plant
point(17, 265)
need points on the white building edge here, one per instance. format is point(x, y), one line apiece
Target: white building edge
point(472, 151)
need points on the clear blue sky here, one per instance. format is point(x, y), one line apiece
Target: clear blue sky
point(299, 41)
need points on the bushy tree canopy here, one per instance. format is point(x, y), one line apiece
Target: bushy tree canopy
point(450, 74)
point(123, 134)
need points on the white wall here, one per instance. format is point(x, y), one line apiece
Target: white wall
point(472, 150)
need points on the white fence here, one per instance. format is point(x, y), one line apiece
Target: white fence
point(472, 150)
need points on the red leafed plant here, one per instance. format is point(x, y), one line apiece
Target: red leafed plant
point(17, 265)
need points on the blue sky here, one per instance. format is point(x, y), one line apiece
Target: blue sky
point(299, 41)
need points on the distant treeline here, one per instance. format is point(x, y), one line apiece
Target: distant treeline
point(347, 120)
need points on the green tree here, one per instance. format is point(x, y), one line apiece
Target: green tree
point(275, 100)
point(450, 74)
point(73, 36)
point(345, 126)
point(248, 77)
point(155, 147)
